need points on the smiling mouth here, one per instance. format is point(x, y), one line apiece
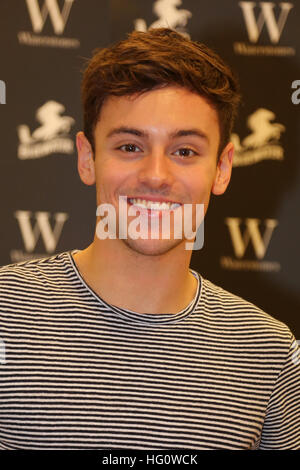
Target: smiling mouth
point(153, 205)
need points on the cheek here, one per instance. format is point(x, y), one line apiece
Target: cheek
point(112, 177)
point(107, 172)
point(199, 185)
point(197, 181)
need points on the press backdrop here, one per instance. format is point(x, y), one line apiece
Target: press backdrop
point(252, 233)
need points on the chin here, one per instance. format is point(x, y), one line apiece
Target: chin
point(152, 247)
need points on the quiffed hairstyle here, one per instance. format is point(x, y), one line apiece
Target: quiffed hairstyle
point(154, 59)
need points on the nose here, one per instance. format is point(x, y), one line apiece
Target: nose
point(155, 171)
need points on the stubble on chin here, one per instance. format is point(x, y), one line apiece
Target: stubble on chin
point(151, 247)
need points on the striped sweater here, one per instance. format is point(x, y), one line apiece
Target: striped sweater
point(78, 373)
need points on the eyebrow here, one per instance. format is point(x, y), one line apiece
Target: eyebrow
point(140, 133)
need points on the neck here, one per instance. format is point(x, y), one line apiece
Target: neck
point(142, 283)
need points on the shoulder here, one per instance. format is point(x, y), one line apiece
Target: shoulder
point(34, 273)
point(32, 289)
point(239, 314)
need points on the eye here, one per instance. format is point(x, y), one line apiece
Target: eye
point(129, 148)
point(185, 152)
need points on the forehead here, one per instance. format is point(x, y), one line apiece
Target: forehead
point(160, 110)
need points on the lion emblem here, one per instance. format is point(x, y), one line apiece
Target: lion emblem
point(263, 130)
point(168, 16)
point(52, 124)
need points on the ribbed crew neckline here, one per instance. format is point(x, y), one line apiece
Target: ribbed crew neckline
point(136, 317)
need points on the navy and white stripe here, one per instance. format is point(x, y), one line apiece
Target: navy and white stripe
point(82, 374)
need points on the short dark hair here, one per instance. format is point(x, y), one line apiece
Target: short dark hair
point(154, 59)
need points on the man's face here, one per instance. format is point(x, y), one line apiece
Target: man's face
point(160, 146)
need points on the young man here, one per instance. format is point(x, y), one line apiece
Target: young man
point(121, 345)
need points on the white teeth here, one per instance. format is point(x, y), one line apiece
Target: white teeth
point(155, 205)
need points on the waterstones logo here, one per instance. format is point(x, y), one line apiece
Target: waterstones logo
point(252, 234)
point(40, 228)
point(58, 18)
point(263, 141)
point(52, 135)
point(2, 92)
point(168, 17)
point(264, 16)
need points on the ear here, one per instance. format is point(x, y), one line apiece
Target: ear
point(85, 164)
point(223, 173)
